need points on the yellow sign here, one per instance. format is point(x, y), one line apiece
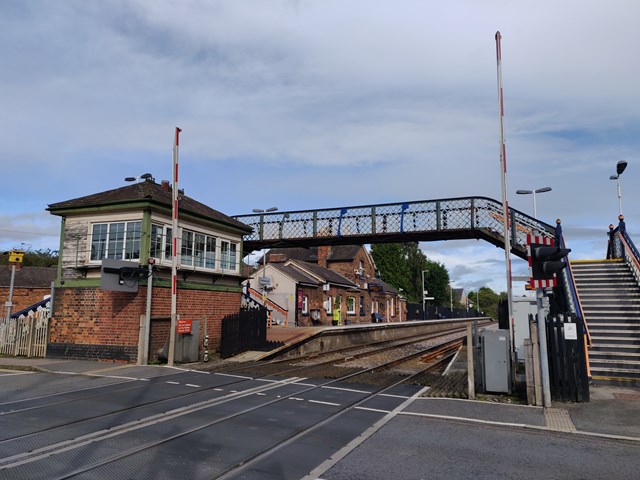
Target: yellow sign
point(15, 256)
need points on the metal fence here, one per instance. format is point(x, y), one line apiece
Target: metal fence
point(25, 335)
point(243, 331)
point(567, 359)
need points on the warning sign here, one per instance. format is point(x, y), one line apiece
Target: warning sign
point(184, 326)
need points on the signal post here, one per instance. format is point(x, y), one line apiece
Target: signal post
point(545, 260)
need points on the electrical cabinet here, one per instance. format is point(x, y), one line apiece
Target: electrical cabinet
point(496, 371)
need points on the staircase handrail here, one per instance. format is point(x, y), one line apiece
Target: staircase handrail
point(268, 301)
point(574, 299)
point(624, 248)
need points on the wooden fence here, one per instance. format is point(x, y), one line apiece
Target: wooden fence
point(25, 335)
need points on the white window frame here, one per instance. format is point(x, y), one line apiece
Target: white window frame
point(329, 305)
point(351, 305)
point(305, 305)
point(119, 240)
point(198, 250)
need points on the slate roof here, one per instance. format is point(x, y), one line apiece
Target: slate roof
point(296, 275)
point(147, 191)
point(28, 277)
point(328, 275)
point(339, 253)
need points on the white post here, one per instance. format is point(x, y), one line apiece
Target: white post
point(619, 195)
point(544, 359)
point(174, 256)
point(9, 302)
point(505, 203)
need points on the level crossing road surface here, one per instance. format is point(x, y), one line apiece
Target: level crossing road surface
point(183, 424)
point(158, 422)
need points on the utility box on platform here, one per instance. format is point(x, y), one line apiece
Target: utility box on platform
point(496, 371)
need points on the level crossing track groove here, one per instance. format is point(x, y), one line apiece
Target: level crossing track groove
point(292, 365)
point(309, 364)
point(63, 447)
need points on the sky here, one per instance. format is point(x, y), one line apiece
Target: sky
point(313, 104)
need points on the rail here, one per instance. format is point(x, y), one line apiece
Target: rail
point(621, 246)
point(426, 220)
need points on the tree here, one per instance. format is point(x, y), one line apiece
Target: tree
point(402, 265)
point(390, 263)
point(437, 283)
point(36, 258)
point(488, 301)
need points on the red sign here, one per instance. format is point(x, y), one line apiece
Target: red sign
point(184, 326)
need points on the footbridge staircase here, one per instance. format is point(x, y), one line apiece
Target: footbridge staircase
point(609, 291)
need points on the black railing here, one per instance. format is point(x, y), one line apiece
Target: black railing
point(425, 220)
point(567, 360)
point(620, 246)
point(244, 331)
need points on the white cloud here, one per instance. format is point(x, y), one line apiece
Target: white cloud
point(313, 104)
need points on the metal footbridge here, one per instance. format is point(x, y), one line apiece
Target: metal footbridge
point(422, 221)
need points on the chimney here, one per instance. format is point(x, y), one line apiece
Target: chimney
point(323, 254)
point(165, 185)
point(277, 258)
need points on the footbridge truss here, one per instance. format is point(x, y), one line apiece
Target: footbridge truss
point(423, 221)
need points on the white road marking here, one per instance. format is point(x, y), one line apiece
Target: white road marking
point(325, 403)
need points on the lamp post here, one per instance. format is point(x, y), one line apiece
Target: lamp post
point(451, 292)
point(533, 192)
point(424, 297)
point(478, 301)
point(264, 254)
point(620, 166)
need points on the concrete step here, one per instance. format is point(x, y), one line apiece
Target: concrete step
point(585, 276)
point(611, 292)
point(631, 311)
point(612, 338)
point(595, 284)
point(615, 325)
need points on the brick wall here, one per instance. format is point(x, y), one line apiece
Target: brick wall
point(93, 317)
point(23, 297)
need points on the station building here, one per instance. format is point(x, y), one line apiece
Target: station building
point(325, 285)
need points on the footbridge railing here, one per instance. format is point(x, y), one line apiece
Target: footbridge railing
point(621, 246)
point(427, 220)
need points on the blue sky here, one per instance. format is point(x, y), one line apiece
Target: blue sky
point(315, 104)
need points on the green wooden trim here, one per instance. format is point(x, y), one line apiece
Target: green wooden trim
point(60, 248)
point(160, 283)
point(78, 283)
point(145, 237)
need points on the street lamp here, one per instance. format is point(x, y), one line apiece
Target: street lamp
point(530, 192)
point(620, 166)
point(424, 297)
point(451, 291)
point(264, 254)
